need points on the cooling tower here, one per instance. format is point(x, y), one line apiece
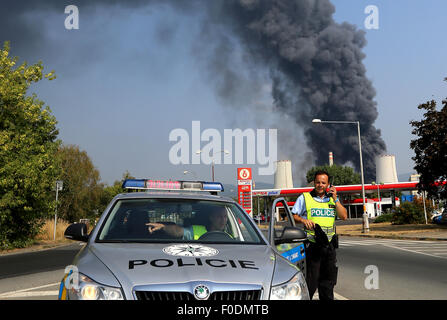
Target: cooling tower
point(283, 174)
point(386, 169)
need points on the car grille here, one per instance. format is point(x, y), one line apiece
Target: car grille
point(184, 296)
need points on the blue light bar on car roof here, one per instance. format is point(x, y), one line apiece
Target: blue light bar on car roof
point(212, 186)
point(146, 184)
point(134, 183)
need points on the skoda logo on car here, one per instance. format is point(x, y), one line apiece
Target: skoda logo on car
point(201, 292)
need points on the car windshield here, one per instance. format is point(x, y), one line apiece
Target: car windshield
point(177, 220)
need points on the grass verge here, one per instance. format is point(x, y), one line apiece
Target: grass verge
point(388, 229)
point(44, 239)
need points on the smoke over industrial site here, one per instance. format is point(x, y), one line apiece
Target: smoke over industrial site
point(313, 65)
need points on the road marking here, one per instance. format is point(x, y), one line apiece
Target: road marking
point(426, 246)
point(33, 294)
point(413, 251)
point(336, 296)
point(399, 242)
point(429, 248)
point(24, 292)
point(339, 296)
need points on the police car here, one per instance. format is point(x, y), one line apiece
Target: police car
point(173, 240)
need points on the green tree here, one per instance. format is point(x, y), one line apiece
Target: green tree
point(430, 149)
point(108, 192)
point(81, 195)
point(28, 143)
point(341, 175)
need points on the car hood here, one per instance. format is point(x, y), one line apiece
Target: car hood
point(136, 264)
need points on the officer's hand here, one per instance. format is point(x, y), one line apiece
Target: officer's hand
point(309, 224)
point(152, 227)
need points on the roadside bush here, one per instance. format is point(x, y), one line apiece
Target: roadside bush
point(385, 217)
point(411, 212)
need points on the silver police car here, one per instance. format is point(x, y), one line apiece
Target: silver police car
point(174, 241)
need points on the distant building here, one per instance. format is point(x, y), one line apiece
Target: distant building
point(414, 178)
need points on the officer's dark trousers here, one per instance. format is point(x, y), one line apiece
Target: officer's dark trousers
point(321, 270)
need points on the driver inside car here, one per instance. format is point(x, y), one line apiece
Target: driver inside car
point(217, 220)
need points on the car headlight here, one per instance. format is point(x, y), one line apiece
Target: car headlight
point(295, 289)
point(87, 289)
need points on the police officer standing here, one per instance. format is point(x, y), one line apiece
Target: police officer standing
point(316, 210)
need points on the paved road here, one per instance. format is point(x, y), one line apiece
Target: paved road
point(35, 275)
point(407, 269)
point(437, 249)
point(13, 265)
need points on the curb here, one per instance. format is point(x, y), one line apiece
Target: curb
point(397, 237)
point(264, 227)
point(391, 237)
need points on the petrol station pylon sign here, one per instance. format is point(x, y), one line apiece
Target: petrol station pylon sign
point(244, 188)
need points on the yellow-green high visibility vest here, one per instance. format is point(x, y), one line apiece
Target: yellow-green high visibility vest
point(198, 230)
point(322, 213)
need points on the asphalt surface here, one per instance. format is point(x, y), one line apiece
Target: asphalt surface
point(35, 275)
point(14, 265)
point(406, 270)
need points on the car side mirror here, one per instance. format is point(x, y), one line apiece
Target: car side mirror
point(77, 231)
point(291, 234)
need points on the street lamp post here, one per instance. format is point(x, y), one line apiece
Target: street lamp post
point(365, 215)
point(212, 162)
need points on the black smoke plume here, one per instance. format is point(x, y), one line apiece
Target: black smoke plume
point(317, 72)
point(315, 64)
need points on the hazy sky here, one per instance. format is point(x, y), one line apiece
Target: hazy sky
point(131, 75)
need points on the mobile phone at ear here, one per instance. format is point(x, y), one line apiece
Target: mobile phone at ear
point(329, 194)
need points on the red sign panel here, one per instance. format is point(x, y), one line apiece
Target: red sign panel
point(244, 188)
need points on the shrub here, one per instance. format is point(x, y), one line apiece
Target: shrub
point(411, 212)
point(385, 217)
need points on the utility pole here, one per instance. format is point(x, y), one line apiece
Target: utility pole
point(59, 186)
